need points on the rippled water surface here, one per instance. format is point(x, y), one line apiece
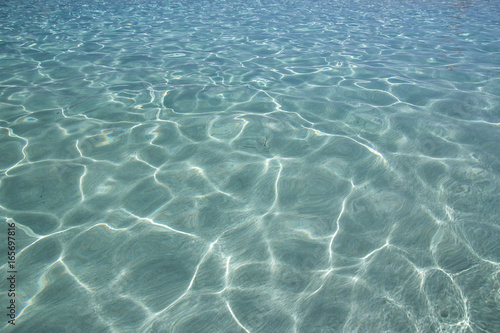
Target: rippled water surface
point(251, 166)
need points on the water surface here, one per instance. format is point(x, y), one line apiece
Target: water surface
point(267, 166)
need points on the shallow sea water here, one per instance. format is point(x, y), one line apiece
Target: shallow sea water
point(253, 166)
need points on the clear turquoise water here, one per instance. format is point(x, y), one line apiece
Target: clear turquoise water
point(267, 166)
